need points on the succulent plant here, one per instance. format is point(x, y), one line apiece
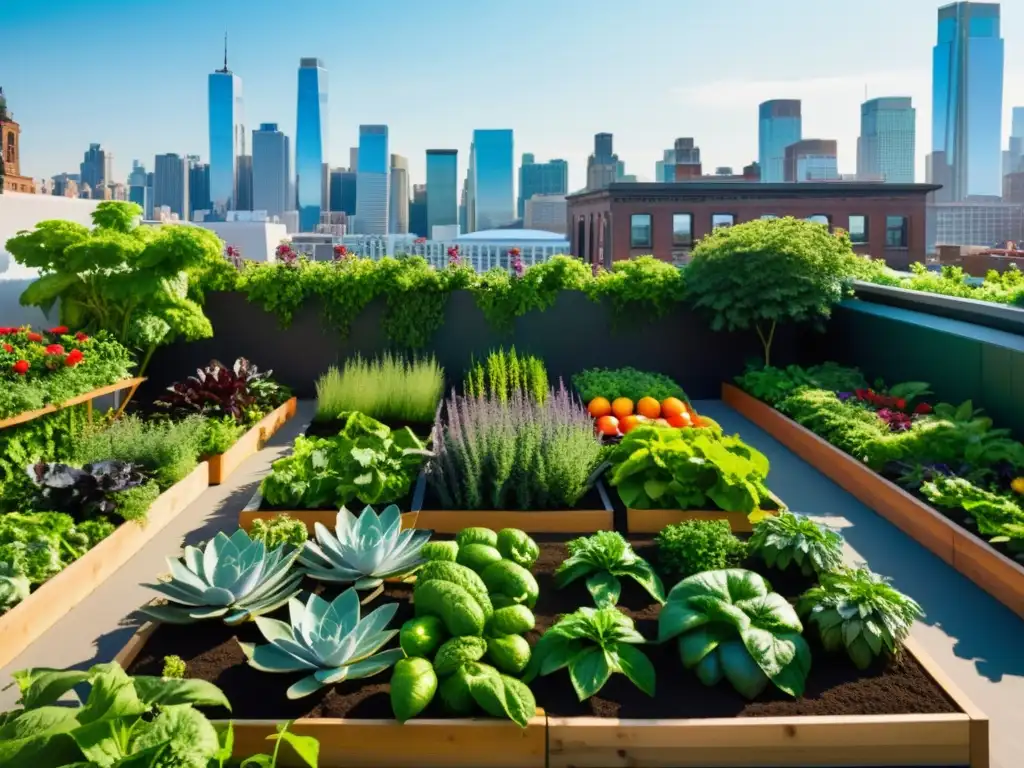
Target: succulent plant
point(232, 577)
point(364, 550)
point(328, 638)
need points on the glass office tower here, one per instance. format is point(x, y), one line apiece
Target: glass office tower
point(227, 137)
point(779, 125)
point(270, 170)
point(551, 178)
point(885, 149)
point(493, 201)
point(442, 189)
point(967, 102)
point(372, 180)
point(312, 174)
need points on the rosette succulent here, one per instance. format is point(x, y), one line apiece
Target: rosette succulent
point(730, 625)
point(364, 550)
point(329, 639)
point(232, 577)
point(788, 539)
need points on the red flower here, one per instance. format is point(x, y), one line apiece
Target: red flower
point(55, 349)
point(81, 336)
point(74, 358)
point(7, 331)
point(21, 367)
point(34, 337)
point(923, 409)
point(901, 404)
point(8, 348)
point(59, 330)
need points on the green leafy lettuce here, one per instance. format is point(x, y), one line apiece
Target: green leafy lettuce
point(603, 558)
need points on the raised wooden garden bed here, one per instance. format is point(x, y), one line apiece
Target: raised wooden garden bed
point(86, 397)
point(223, 464)
point(654, 520)
point(28, 620)
point(991, 570)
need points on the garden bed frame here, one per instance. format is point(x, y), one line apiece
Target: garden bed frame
point(86, 397)
point(1000, 576)
point(654, 520)
point(223, 464)
point(27, 621)
point(453, 521)
point(958, 739)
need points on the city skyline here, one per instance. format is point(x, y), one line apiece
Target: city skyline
point(719, 108)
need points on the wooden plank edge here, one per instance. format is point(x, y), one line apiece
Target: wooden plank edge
point(277, 418)
point(223, 465)
point(26, 416)
point(654, 520)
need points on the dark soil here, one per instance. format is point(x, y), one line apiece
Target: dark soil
point(331, 427)
point(834, 687)
point(591, 500)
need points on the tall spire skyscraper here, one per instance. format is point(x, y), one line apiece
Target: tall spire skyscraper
point(227, 136)
point(313, 176)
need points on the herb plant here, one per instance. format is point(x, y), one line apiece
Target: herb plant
point(772, 384)
point(859, 611)
point(625, 382)
point(593, 644)
point(219, 435)
point(391, 388)
point(503, 373)
point(173, 667)
point(731, 625)
point(603, 558)
point(278, 530)
point(516, 455)
point(241, 392)
point(787, 539)
point(695, 546)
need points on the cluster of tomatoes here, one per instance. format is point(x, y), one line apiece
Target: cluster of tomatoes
point(618, 417)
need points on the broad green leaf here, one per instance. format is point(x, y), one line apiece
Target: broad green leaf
point(635, 665)
point(111, 697)
point(306, 747)
point(589, 671)
point(43, 686)
point(165, 691)
point(741, 670)
point(604, 588)
point(150, 757)
point(642, 573)
point(100, 742)
point(259, 761)
point(190, 738)
point(39, 737)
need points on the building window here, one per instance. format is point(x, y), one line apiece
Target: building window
point(682, 229)
point(859, 230)
point(719, 220)
point(895, 231)
point(820, 218)
point(640, 231)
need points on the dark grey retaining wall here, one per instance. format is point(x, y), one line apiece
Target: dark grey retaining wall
point(985, 313)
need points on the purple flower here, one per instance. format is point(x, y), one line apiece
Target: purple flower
point(844, 396)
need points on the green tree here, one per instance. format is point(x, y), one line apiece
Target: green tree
point(769, 271)
point(131, 280)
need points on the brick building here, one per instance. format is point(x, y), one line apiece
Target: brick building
point(667, 220)
point(10, 150)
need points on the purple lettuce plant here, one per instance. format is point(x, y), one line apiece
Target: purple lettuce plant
point(516, 454)
point(241, 391)
point(896, 420)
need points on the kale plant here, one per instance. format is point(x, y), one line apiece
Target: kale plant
point(788, 539)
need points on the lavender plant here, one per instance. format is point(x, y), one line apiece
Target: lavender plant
point(513, 454)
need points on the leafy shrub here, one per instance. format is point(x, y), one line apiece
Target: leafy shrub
point(772, 384)
point(696, 546)
point(516, 455)
point(506, 372)
point(1005, 288)
point(366, 461)
point(765, 272)
point(390, 388)
point(219, 435)
point(664, 468)
point(859, 611)
point(103, 488)
point(48, 438)
point(845, 425)
point(241, 392)
point(166, 450)
point(625, 382)
point(998, 516)
point(278, 530)
point(643, 288)
point(789, 539)
point(603, 558)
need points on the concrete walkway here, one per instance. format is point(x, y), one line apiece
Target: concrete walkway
point(977, 641)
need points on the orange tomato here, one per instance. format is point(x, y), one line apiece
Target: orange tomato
point(599, 407)
point(649, 407)
point(626, 423)
point(622, 406)
point(608, 425)
point(672, 406)
point(680, 420)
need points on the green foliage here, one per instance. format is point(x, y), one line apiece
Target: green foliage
point(625, 382)
point(663, 468)
point(603, 558)
point(846, 425)
point(503, 297)
point(278, 530)
point(220, 434)
point(788, 539)
point(512, 581)
point(306, 748)
point(772, 384)
point(133, 281)
point(413, 685)
point(461, 576)
point(174, 667)
point(769, 271)
point(48, 438)
point(391, 388)
point(643, 287)
point(455, 606)
point(481, 686)
point(517, 546)
point(696, 546)
point(997, 515)
point(859, 611)
point(443, 551)
point(1004, 288)
point(366, 461)
point(503, 373)
point(167, 450)
point(731, 626)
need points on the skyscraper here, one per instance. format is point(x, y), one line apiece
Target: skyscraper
point(372, 180)
point(398, 204)
point(343, 191)
point(811, 160)
point(418, 211)
point(244, 183)
point(442, 189)
point(603, 165)
point(1015, 154)
point(687, 160)
point(312, 172)
point(550, 178)
point(967, 102)
point(170, 184)
point(227, 136)
point(96, 167)
point(198, 186)
point(885, 149)
point(494, 203)
point(136, 185)
point(270, 170)
point(779, 125)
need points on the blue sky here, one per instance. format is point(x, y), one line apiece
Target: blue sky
point(131, 74)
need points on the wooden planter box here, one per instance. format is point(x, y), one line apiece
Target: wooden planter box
point(223, 464)
point(997, 574)
point(86, 397)
point(653, 520)
point(344, 743)
point(28, 620)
